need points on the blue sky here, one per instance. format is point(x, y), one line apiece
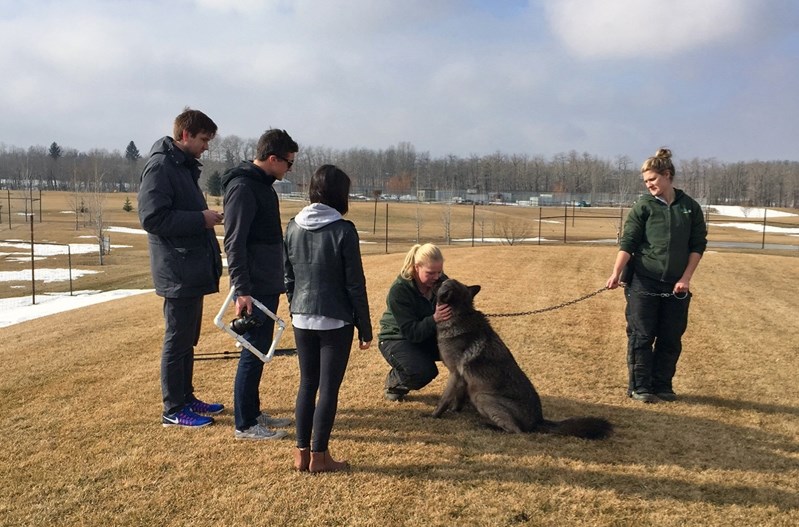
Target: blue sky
point(710, 78)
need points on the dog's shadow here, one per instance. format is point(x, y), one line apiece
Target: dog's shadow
point(517, 458)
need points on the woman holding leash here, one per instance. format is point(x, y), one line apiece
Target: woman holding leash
point(664, 239)
point(326, 289)
point(407, 337)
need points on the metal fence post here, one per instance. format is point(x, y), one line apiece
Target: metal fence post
point(69, 257)
point(33, 266)
point(386, 227)
point(539, 223)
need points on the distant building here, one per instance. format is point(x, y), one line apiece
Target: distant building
point(284, 187)
point(426, 194)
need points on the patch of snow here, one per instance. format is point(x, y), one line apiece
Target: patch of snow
point(11, 312)
point(747, 212)
point(126, 230)
point(758, 227)
point(44, 275)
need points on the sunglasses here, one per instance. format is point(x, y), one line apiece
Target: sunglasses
point(289, 163)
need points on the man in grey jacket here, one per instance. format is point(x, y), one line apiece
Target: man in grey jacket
point(254, 248)
point(184, 257)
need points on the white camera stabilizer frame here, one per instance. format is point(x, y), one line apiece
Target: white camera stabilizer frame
point(281, 326)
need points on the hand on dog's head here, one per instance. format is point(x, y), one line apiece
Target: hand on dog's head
point(457, 294)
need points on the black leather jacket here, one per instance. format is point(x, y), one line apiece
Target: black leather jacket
point(324, 274)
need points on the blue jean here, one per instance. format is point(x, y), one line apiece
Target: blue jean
point(182, 319)
point(246, 397)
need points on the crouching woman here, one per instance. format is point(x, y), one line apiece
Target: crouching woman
point(407, 338)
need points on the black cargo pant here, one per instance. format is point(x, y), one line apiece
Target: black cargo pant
point(413, 366)
point(655, 325)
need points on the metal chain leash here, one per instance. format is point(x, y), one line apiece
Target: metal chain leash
point(551, 308)
point(663, 295)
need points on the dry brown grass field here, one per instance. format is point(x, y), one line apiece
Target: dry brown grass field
point(83, 444)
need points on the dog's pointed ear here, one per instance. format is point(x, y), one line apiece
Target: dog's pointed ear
point(474, 289)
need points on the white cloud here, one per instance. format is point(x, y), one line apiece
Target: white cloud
point(652, 29)
point(446, 76)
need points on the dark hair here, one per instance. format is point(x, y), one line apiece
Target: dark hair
point(330, 186)
point(275, 142)
point(193, 122)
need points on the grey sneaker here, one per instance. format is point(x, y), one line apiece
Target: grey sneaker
point(258, 431)
point(267, 420)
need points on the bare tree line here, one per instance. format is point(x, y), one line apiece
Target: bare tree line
point(401, 170)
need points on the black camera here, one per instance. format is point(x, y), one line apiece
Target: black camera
point(245, 323)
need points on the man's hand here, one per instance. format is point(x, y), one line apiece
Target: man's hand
point(212, 218)
point(243, 305)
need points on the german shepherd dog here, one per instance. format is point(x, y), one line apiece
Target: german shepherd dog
point(482, 368)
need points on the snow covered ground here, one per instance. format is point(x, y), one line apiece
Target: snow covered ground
point(20, 251)
point(49, 304)
point(747, 212)
point(753, 213)
point(14, 310)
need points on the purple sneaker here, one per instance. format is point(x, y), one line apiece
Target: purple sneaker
point(199, 407)
point(187, 418)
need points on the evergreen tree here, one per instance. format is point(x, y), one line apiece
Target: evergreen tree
point(127, 206)
point(132, 153)
point(55, 151)
point(214, 184)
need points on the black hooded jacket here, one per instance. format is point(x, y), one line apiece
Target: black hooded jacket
point(253, 232)
point(184, 253)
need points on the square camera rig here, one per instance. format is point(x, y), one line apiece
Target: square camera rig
point(281, 326)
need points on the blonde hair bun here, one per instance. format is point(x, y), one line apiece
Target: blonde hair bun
point(663, 153)
point(660, 163)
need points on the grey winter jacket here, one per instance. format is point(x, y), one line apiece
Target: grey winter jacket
point(324, 273)
point(184, 255)
point(253, 231)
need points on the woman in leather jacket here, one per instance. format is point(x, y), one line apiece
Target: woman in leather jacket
point(326, 289)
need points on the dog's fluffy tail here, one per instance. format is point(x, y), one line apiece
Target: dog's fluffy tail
point(584, 427)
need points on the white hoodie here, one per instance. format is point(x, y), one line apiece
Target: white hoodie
point(313, 217)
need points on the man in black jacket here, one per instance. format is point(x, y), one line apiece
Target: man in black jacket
point(254, 247)
point(184, 257)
